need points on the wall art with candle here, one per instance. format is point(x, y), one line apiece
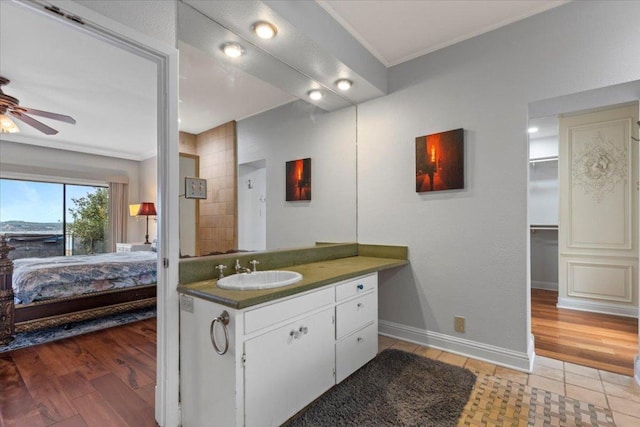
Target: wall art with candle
point(298, 180)
point(440, 161)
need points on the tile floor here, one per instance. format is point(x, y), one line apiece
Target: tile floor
point(616, 392)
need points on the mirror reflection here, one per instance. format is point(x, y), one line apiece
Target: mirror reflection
point(243, 131)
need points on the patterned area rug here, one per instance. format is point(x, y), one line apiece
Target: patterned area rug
point(396, 388)
point(501, 402)
point(27, 339)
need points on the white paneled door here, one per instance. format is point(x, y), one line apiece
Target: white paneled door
point(598, 225)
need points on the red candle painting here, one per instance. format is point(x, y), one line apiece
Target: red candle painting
point(298, 180)
point(440, 161)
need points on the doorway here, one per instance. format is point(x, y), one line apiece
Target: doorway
point(588, 314)
point(252, 206)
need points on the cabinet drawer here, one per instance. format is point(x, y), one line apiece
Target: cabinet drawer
point(356, 350)
point(354, 314)
point(266, 316)
point(356, 286)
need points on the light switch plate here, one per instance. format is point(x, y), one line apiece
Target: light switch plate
point(186, 303)
point(195, 188)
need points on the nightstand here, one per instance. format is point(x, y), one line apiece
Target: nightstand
point(132, 247)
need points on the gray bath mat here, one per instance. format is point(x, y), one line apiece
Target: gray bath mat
point(396, 388)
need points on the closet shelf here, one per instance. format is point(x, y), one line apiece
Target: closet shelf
point(544, 159)
point(543, 227)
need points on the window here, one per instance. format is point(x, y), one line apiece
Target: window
point(44, 219)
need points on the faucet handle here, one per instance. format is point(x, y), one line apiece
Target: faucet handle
point(254, 263)
point(220, 268)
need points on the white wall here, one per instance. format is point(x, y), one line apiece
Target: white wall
point(468, 249)
point(51, 164)
point(252, 206)
point(295, 131)
point(149, 193)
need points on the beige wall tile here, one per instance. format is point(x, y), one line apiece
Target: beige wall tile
point(511, 374)
point(452, 359)
point(613, 378)
point(630, 393)
point(581, 370)
point(548, 384)
point(479, 366)
point(624, 406)
point(623, 420)
point(586, 395)
point(584, 382)
point(545, 371)
point(405, 346)
point(548, 362)
point(431, 353)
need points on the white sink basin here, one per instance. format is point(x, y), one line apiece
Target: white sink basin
point(259, 280)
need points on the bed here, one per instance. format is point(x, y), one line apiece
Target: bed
point(58, 290)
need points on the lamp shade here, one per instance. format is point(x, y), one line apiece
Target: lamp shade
point(133, 209)
point(147, 208)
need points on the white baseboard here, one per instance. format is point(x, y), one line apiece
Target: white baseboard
point(598, 307)
point(551, 286)
point(485, 352)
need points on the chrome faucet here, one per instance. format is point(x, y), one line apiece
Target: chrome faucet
point(241, 269)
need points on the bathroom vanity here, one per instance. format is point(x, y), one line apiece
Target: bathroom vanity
point(281, 348)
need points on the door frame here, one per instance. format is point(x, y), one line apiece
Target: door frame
point(592, 99)
point(167, 411)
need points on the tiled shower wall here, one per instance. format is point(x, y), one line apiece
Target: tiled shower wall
point(217, 151)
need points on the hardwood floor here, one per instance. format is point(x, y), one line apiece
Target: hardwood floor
point(106, 378)
point(596, 340)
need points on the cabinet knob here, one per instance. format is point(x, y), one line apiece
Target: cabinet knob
point(360, 305)
point(360, 287)
point(360, 339)
point(303, 330)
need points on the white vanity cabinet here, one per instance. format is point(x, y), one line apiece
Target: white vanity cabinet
point(282, 354)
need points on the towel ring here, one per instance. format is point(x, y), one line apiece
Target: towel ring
point(224, 320)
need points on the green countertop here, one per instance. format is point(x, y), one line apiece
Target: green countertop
point(314, 275)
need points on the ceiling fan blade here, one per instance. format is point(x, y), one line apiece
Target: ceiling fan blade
point(47, 114)
point(33, 122)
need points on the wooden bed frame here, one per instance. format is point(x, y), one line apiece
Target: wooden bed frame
point(44, 314)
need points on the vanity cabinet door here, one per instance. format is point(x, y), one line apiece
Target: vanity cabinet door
point(288, 368)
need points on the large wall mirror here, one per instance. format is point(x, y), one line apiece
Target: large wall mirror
point(244, 130)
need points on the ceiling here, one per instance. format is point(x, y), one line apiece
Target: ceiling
point(111, 93)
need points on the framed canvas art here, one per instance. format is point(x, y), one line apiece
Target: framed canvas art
point(440, 161)
point(298, 180)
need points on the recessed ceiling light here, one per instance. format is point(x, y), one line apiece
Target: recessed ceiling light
point(533, 129)
point(315, 94)
point(265, 30)
point(233, 50)
point(344, 84)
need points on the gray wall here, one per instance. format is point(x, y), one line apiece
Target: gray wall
point(295, 131)
point(468, 249)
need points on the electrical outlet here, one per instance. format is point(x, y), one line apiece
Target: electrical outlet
point(459, 324)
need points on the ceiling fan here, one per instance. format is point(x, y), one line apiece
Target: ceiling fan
point(11, 105)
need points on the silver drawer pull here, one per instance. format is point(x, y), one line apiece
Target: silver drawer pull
point(360, 339)
point(303, 330)
point(224, 320)
point(360, 305)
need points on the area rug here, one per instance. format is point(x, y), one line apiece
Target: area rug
point(396, 388)
point(27, 339)
point(498, 401)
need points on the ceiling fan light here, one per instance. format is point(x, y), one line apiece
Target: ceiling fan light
point(234, 50)
point(7, 125)
point(265, 30)
point(344, 84)
point(315, 94)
